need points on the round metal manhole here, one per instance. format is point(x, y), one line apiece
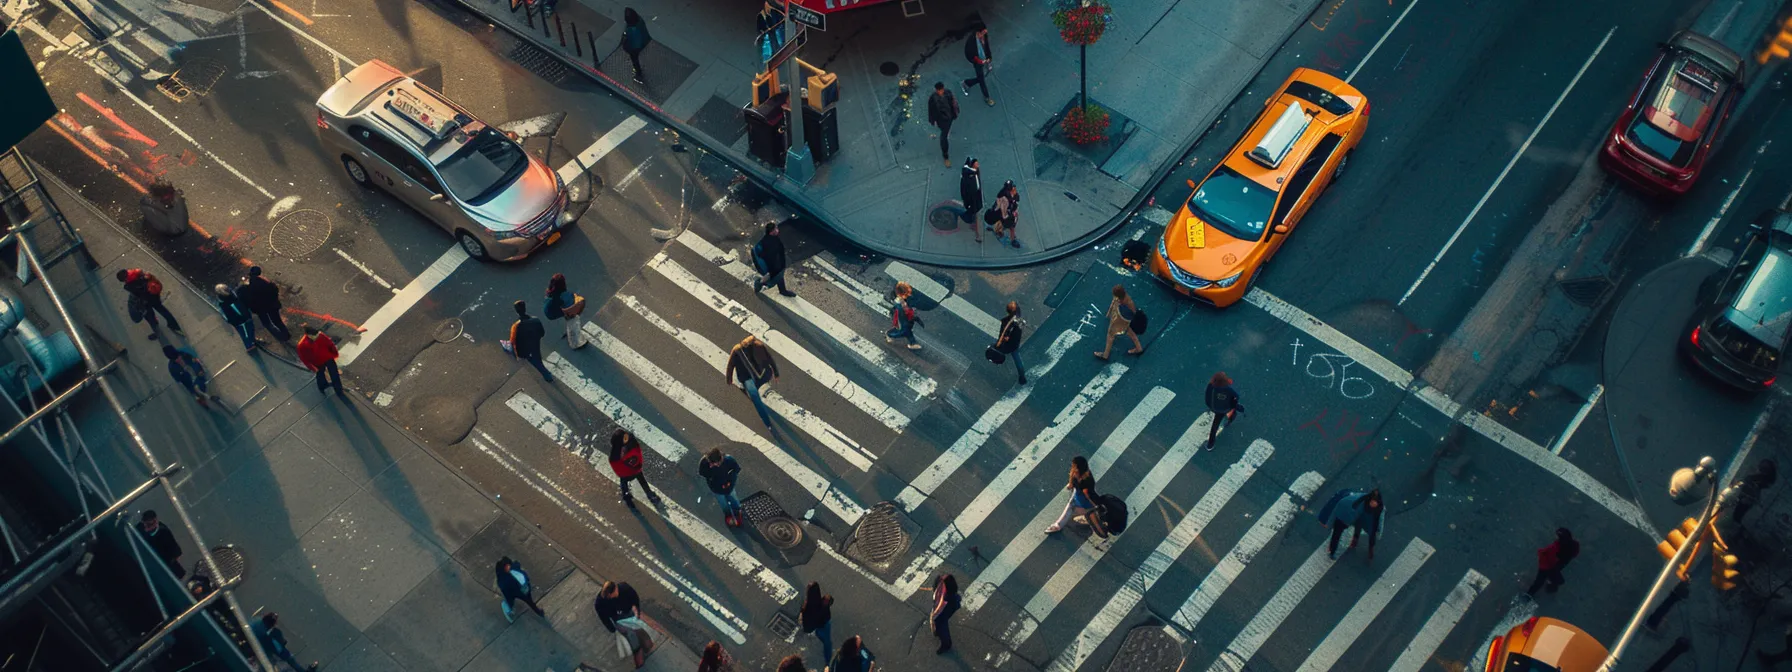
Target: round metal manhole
point(448, 330)
point(879, 537)
point(231, 562)
point(944, 216)
point(888, 68)
point(300, 233)
point(782, 532)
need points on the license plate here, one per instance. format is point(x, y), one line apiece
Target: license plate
point(1197, 234)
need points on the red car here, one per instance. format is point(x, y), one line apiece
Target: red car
point(1674, 118)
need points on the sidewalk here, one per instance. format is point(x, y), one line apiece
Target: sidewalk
point(375, 554)
point(887, 189)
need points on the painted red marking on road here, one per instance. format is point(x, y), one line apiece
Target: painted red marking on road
point(1343, 432)
point(125, 130)
point(188, 158)
point(295, 13)
point(101, 161)
point(327, 318)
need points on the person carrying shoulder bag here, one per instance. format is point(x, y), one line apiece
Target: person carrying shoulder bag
point(1008, 337)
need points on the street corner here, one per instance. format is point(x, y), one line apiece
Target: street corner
point(439, 392)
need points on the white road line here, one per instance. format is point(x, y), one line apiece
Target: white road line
point(1442, 621)
point(1748, 443)
point(717, 358)
point(973, 439)
point(1508, 169)
point(680, 518)
point(1625, 509)
point(633, 175)
point(282, 21)
point(974, 514)
point(1153, 567)
point(792, 351)
point(650, 435)
point(1053, 592)
point(1521, 611)
point(711, 610)
point(1698, 245)
point(657, 379)
point(879, 357)
point(954, 303)
point(1033, 534)
point(1270, 617)
point(872, 298)
point(603, 145)
point(1214, 585)
point(365, 270)
point(1384, 38)
point(1579, 417)
point(141, 103)
point(1367, 607)
point(413, 291)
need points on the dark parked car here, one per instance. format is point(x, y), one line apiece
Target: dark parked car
point(1740, 334)
point(1673, 120)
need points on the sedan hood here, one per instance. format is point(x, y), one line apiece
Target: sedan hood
point(1219, 256)
point(532, 193)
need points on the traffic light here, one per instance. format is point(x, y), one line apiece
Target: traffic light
point(1679, 538)
point(1723, 564)
point(1778, 43)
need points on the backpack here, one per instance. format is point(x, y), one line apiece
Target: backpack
point(759, 259)
point(552, 308)
point(992, 215)
point(1112, 511)
point(1139, 322)
point(909, 314)
point(154, 286)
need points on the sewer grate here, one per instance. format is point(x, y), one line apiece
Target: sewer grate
point(299, 233)
point(880, 537)
point(231, 562)
point(1587, 292)
point(199, 75)
point(782, 625)
point(778, 527)
point(540, 62)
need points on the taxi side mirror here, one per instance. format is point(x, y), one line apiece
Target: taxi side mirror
point(1281, 228)
point(1191, 184)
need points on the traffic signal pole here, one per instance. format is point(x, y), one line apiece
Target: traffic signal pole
point(1674, 569)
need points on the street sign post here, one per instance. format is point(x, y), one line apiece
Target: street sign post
point(808, 17)
point(784, 53)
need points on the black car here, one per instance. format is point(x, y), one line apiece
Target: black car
point(1739, 335)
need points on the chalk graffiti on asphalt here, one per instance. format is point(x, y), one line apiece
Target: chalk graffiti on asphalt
point(1334, 369)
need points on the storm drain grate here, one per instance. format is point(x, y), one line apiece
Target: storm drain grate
point(881, 537)
point(231, 562)
point(1587, 292)
point(779, 528)
point(782, 625)
point(300, 233)
point(540, 62)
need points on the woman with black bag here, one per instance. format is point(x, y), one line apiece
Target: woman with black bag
point(1122, 314)
point(1007, 345)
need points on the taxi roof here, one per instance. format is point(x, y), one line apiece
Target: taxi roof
point(1278, 118)
point(375, 90)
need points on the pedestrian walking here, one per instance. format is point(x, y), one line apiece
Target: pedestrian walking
point(1223, 401)
point(626, 461)
point(771, 30)
point(751, 364)
point(970, 190)
point(818, 616)
point(162, 541)
point(513, 584)
point(619, 608)
point(1005, 216)
point(525, 339)
point(903, 318)
point(721, 472)
point(263, 298)
point(185, 368)
point(565, 305)
point(942, 108)
point(945, 604)
point(273, 640)
point(976, 50)
point(794, 663)
point(1354, 510)
point(1082, 495)
point(237, 314)
point(318, 353)
point(1552, 558)
point(634, 39)
point(1748, 489)
point(145, 300)
point(853, 656)
point(769, 260)
point(1121, 312)
point(714, 658)
point(1785, 653)
point(1008, 340)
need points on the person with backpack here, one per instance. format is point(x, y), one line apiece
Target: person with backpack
point(318, 353)
point(970, 190)
point(263, 298)
point(1223, 401)
point(769, 261)
point(1082, 496)
point(977, 51)
point(635, 39)
point(721, 472)
point(564, 304)
point(751, 364)
point(1552, 559)
point(1121, 313)
point(185, 368)
point(903, 318)
point(145, 299)
point(1354, 510)
point(525, 339)
point(237, 315)
point(626, 461)
point(1008, 338)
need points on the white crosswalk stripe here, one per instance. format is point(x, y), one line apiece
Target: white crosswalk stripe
point(1274, 611)
point(1368, 607)
point(651, 436)
point(877, 301)
point(952, 302)
point(1442, 621)
point(1261, 533)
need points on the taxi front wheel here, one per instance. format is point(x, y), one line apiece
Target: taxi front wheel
point(355, 171)
point(474, 248)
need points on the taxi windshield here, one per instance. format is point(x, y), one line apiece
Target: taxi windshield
point(1234, 203)
point(483, 166)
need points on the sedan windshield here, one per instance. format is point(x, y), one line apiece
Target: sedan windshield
point(1234, 203)
point(483, 166)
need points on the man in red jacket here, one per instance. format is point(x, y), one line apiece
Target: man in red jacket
point(318, 353)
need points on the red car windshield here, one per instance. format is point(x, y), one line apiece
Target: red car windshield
point(1677, 111)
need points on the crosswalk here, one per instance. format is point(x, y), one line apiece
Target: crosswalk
point(845, 402)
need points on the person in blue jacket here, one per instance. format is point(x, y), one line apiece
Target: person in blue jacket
point(1357, 511)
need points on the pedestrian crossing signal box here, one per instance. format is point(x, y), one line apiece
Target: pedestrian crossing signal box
point(765, 85)
point(823, 92)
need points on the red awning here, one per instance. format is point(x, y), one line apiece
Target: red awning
point(825, 6)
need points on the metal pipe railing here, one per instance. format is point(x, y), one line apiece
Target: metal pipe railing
point(200, 606)
point(57, 402)
point(30, 570)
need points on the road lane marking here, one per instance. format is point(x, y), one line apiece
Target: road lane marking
point(413, 291)
point(1377, 47)
point(1579, 417)
point(1214, 585)
point(1277, 609)
point(1626, 510)
point(952, 302)
point(650, 435)
point(680, 518)
point(1748, 443)
point(992, 419)
point(878, 357)
point(706, 607)
point(1521, 611)
point(792, 351)
point(1698, 245)
point(605, 144)
point(1131, 593)
point(1082, 563)
point(1508, 169)
point(656, 378)
point(1011, 477)
point(717, 358)
point(1367, 607)
point(1442, 621)
point(365, 270)
point(858, 290)
point(306, 35)
point(1032, 535)
point(291, 12)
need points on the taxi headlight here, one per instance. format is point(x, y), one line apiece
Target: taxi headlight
point(512, 234)
point(1229, 280)
point(1163, 250)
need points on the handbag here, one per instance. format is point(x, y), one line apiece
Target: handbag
point(1139, 322)
point(993, 355)
point(577, 307)
point(623, 647)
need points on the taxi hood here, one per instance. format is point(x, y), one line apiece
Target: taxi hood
point(1219, 256)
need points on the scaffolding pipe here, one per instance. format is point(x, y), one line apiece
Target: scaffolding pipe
point(105, 385)
point(56, 403)
point(69, 539)
point(163, 631)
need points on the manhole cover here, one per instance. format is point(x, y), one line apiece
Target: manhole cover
point(880, 537)
point(783, 532)
point(782, 625)
point(1587, 292)
point(300, 233)
point(449, 329)
point(231, 562)
point(944, 217)
point(888, 68)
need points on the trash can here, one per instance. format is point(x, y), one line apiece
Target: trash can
point(164, 210)
point(822, 131)
point(766, 138)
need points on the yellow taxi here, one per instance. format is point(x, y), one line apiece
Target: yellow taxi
point(1545, 645)
point(1239, 215)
